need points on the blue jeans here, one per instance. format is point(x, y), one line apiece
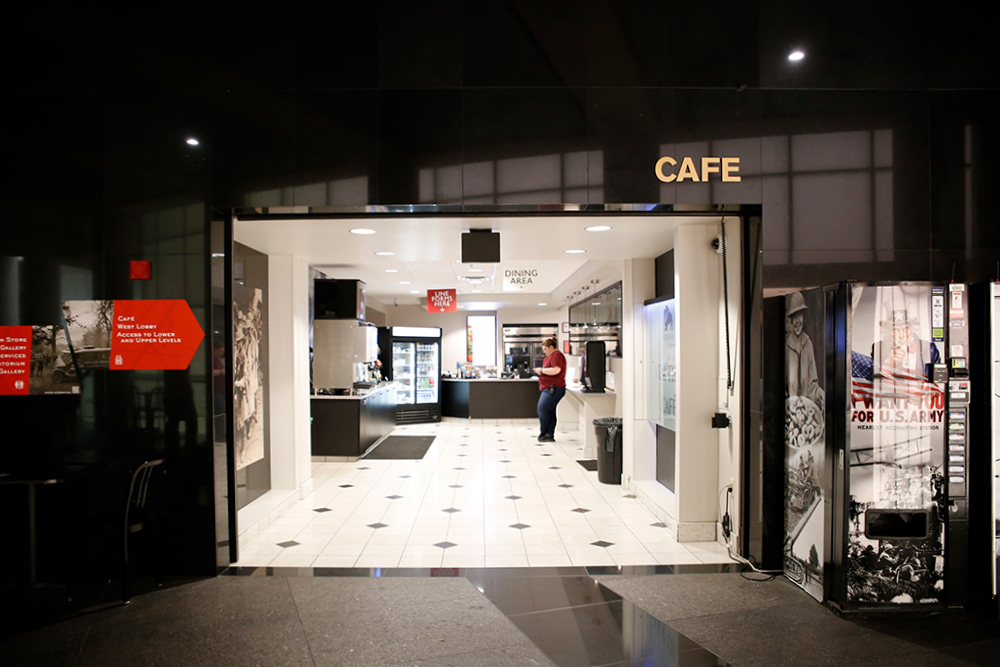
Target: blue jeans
point(547, 403)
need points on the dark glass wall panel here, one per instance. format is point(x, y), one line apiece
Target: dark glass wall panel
point(65, 56)
point(419, 44)
point(253, 148)
point(526, 146)
point(714, 44)
point(334, 44)
point(629, 127)
point(524, 43)
point(845, 180)
point(846, 45)
point(629, 44)
point(417, 130)
point(53, 146)
point(253, 45)
point(336, 148)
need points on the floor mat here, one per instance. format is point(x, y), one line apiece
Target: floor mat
point(589, 464)
point(402, 447)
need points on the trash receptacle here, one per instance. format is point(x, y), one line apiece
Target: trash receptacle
point(609, 449)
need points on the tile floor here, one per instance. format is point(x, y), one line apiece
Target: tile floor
point(486, 494)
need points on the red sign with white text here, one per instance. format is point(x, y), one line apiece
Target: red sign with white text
point(442, 301)
point(154, 335)
point(15, 360)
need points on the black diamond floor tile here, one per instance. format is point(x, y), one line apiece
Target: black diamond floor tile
point(580, 510)
point(512, 497)
point(394, 497)
point(520, 526)
point(289, 543)
point(322, 509)
point(376, 526)
point(445, 545)
point(602, 543)
point(451, 510)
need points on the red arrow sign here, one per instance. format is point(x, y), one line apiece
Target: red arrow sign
point(154, 335)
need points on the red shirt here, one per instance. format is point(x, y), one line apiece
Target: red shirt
point(556, 359)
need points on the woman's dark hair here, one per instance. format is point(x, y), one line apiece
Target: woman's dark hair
point(551, 342)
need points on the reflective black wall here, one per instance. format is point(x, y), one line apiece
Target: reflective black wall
point(871, 157)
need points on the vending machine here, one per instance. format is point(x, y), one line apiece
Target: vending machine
point(876, 444)
point(411, 357)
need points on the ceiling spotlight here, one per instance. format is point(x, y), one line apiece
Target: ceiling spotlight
point(392, 270)
point(404, 282)
point(477, 291)
point(598, 228)
point(575, 252)
point(362, 231)
point(414, 291)
point(384, 253)
point(543, 304)
point(796, 55)
point(192, 142)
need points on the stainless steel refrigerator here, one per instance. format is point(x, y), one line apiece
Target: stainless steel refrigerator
point(411, 357)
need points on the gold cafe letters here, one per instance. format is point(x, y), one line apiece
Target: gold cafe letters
point(726, 167)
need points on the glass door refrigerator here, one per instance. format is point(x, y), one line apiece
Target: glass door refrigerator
point(411, 357)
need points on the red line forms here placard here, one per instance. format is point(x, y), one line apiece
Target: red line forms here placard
point(15, 360)
point(160, 334)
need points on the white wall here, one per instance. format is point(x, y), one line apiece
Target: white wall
point(288, 369)
point(452, 329)
point(639, 437)
point(729, 401)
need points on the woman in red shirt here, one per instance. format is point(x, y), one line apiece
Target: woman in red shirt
point(552, 384)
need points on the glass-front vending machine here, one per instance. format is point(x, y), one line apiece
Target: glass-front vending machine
point(414, 364)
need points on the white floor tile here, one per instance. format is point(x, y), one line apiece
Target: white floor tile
point(505, 550)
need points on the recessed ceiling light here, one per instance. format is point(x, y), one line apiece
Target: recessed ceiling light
point(385, 253)
point(796, 55)
point(476, 291)
point(392, 270)
point(192, 142)
point(404, 282)
point(575, 252)
point(543, 304)
point(598, 228)
point(414, 291)
point(362, 231)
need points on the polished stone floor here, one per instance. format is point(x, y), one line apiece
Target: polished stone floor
point(685, 616)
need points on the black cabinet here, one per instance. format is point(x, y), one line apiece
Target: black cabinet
point(349, 426)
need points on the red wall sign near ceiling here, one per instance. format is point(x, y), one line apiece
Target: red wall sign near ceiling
point(140, 269)
point(15, 360)
point(154, 335)
point(441, 301)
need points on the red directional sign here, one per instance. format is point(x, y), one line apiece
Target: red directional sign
point(154, 335)
point(441, 301)
point(15, 360)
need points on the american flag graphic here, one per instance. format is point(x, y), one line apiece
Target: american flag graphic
point(862, 368)
point(896, 379)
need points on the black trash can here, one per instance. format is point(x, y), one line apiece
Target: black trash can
point(609, 449)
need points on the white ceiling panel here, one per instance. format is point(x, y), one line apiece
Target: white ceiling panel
point(427, 251)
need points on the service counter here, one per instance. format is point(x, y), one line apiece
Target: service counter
point(588, 406)
point(489, 398)
point(345, 427)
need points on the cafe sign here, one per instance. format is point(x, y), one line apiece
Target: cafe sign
point(670, 170)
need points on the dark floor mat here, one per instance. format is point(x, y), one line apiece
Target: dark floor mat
point(589, 464)
point(402, 447)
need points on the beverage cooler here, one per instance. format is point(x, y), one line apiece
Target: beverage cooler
point(411, 357)
point(878, 454)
